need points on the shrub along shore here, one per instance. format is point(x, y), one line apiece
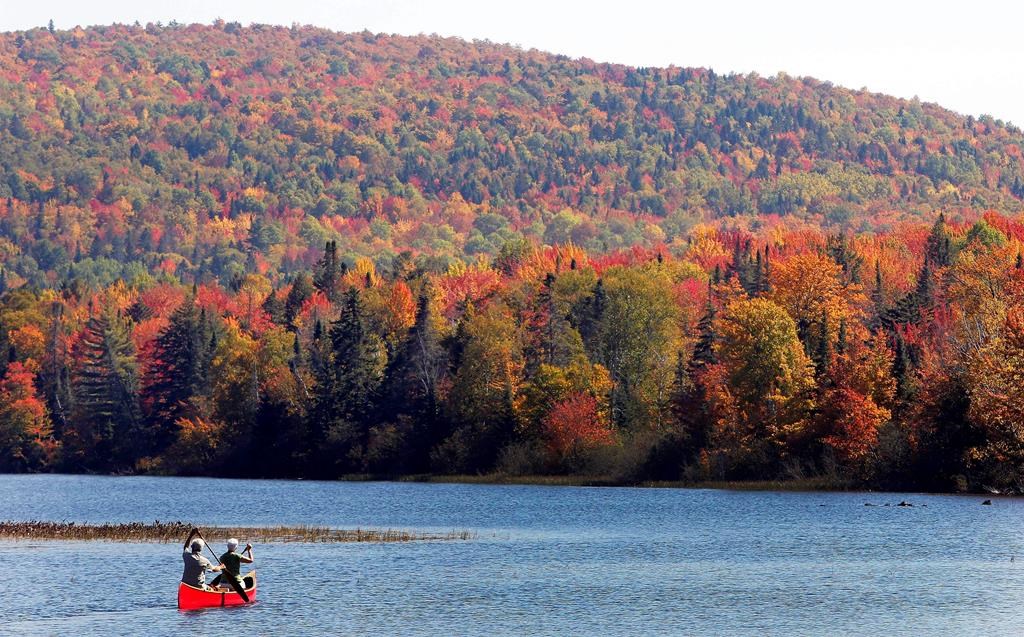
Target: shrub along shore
point(170, 532)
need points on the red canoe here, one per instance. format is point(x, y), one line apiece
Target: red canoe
point(191, 598)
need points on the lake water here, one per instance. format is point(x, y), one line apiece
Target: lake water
point(547, 561)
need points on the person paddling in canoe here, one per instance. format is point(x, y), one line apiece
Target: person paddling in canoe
point(196, 565)
point(232, 562)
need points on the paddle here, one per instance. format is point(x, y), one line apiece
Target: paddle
point(231, 580)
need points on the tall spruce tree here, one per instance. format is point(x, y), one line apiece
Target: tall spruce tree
point(411, 389)
point(587, 318)
point(758, 276)
point(939, 246)
point(689, 401)
point(328, 272)
point(347, 392)
point(107, 420)
point(924, 292)
point(841, 251)
point(902, 370)
point(704, 348)
point(177, 380)
point(55, 375)
point(878, 294)
point(749, 272)
point(274, 307)
point(822, 354)
point(766, 273)
point(549, 322)
point(914, 306)
point(302, 288)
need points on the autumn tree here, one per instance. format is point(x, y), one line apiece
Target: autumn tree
point(25, 442)
point(485, 394)
point(638, 333)
point(576, 423)
point(852, 421)
point(551, 384)
point(810, 288)
point(996, 386)
point(769, 382)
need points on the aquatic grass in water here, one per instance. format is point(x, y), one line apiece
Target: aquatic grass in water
point(171, 532)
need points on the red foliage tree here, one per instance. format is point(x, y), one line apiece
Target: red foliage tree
point(576, 423)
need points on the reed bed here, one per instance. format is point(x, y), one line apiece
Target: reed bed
point(172, 532)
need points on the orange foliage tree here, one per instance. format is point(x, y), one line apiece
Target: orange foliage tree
point(851, 423)
point(25, 442)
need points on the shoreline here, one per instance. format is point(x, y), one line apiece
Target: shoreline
point(797, 485)
point(816, 485)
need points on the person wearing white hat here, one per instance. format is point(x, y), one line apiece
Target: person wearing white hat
point(232, 562)
point(196, 565)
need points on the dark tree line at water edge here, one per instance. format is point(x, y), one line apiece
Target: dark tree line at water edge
point(887, 360)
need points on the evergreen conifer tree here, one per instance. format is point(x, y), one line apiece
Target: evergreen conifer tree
point(302, 288)
point(346, 393)
point(412, 384)
point(328, 272)
point(107, 420)
point(689, 400)
point(938, 249)
point(177, 380)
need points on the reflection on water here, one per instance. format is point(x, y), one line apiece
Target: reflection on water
point(548, 561)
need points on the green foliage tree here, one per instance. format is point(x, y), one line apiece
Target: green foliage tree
point(939, 247)
point(485, 393)
point(302, 288)
point(638, 336)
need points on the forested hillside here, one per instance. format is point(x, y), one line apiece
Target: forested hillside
point(274, 251)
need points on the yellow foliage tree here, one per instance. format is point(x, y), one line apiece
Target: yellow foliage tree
point(769, 381)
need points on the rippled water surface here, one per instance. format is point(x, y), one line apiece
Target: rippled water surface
point(547, 561)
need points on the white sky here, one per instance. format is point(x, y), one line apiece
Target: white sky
point(964, 55)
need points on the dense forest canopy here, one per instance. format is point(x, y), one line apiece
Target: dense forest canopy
point(288, 251)
point(212, 151)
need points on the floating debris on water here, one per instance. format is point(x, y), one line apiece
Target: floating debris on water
point(171, 532)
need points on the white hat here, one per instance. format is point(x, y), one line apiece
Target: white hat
point(232, 544)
